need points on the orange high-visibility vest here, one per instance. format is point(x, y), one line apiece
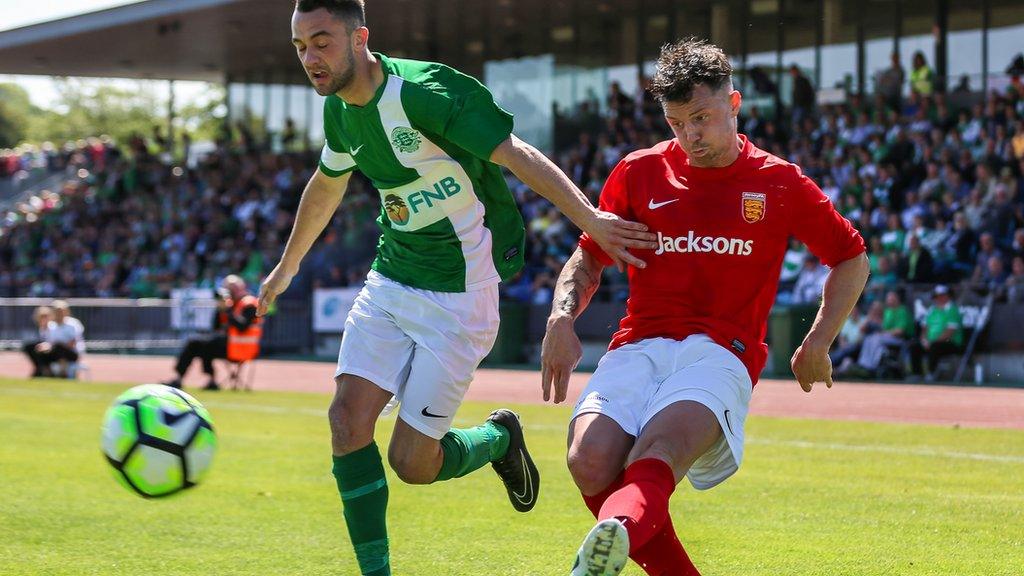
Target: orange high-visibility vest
point(244, 344)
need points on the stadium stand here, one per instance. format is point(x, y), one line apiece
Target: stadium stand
point(935, 187)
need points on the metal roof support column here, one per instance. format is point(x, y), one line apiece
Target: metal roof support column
point(941, 44)
point(780, 44)
point(641, 20)
point(170, 117)
point(266, 106)
point(986, 22)
point(861, 56)
point(819, 39)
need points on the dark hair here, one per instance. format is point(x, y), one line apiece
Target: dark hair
point(352, 12)
point(685, 64)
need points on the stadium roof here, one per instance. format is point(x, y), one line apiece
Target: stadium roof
point(212, 40)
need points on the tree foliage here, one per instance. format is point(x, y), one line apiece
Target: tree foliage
point(90, 107)
point(16, 112)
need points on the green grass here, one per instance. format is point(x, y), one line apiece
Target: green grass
point(812, 498)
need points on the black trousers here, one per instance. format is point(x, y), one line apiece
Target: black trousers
point(206, 348)
point(934, 353)
point(41, 360)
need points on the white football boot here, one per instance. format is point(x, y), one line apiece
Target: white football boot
point(604, 551)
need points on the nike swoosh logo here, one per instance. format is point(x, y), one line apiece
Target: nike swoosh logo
point(527, 496)
point(429, 415)
point(655, 205)
point(172, 419)
point(355, 151)
point(728, 424)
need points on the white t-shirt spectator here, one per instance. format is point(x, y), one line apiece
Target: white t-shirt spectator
point(71, 330)
point(809, 284)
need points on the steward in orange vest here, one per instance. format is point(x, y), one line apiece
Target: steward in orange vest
point(245, 329)
point(237, 332)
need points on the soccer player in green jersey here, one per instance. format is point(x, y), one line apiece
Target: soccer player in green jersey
point(431, 140)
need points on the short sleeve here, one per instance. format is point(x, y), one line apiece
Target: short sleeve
point(614, 199)
point(335, 164)
point(476, 123)
point(816, 223)
point(334, 159)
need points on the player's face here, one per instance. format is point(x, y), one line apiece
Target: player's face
point(705, 125)
point(325, 48)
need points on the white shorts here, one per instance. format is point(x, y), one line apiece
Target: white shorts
point(635, 382)
point(420, 345)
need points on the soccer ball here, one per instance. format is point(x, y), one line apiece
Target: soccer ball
point(159, 440)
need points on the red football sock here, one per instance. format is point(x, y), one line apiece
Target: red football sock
point(664, 555)
point(595, 502)
point(642, 501)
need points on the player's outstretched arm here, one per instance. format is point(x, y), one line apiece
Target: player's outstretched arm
point(613, 234)
point(843, 287)
point(319, 200)
point(561, 350)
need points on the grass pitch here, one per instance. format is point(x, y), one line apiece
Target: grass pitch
point(812, 498)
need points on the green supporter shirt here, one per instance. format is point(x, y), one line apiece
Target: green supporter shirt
point(448, 220)
point(899, 317)
point(939, 319)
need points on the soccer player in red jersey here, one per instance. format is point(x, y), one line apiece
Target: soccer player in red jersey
point(670, 397)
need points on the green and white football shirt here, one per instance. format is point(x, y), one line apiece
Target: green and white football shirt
point(449, 222)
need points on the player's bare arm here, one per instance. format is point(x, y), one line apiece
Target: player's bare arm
point(810, 362)
point(615, 235)
point(319, 200)
point(561, 350)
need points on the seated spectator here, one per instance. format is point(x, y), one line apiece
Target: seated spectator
point(852, 334)
point(934, 239)
point(1000, 219)
point(1017, 245)
point(916, 265)
point(1014, 285)
point(810, 282)
point(792, 263)
point(974, 209)
point(942, 334)
point(897, 329)
point(235, 325)
point(932, 187)
point(894, 236)
point(885, 279)
point(986, 251)
point(39, 350)
point(67, 335)
point(994, 276)
point(875, 253)
point(1017, 142)
point(959, 248)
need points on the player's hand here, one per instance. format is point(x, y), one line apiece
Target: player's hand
point(616, 236)
point(811, 364)
point(43, 347)
point(559, 355)
point(275, 283)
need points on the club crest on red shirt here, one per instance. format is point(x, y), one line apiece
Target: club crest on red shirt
point(753, 206)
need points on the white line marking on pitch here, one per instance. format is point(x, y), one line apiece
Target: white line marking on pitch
point(905, 451)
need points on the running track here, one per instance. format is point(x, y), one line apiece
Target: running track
point(944, 405)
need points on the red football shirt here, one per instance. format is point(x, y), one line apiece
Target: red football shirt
point(722, 233)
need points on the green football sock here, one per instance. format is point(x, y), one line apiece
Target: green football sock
point(469, 449)
point(364, 497)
